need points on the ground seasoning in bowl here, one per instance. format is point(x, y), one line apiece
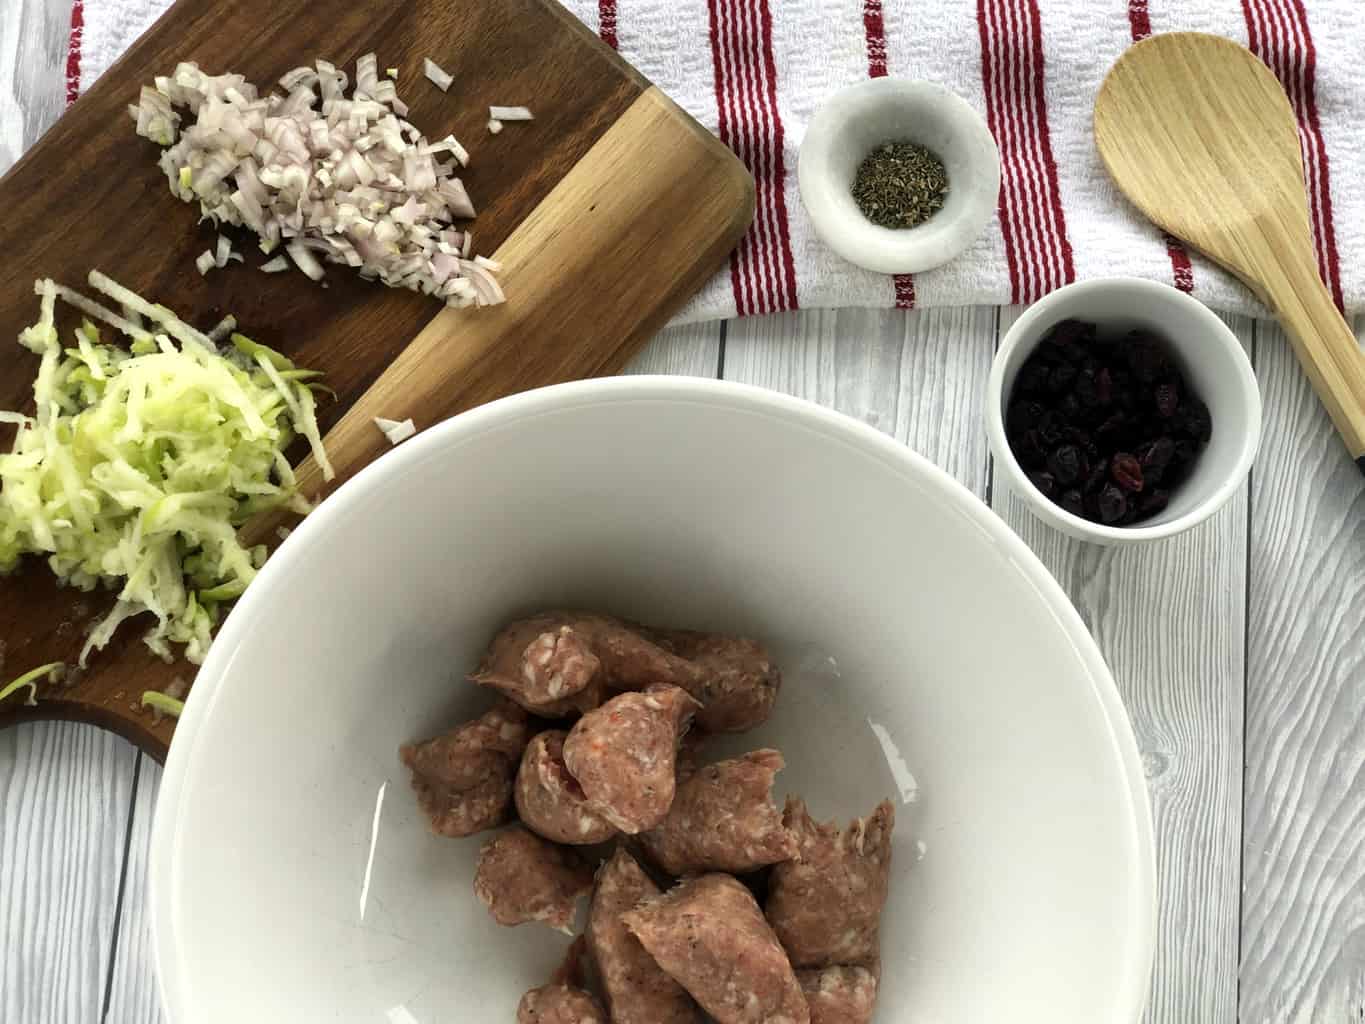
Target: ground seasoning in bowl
point(1105, 427)
point(900, 185)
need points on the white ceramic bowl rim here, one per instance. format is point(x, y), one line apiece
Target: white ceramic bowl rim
point(1235, 473)
point(180, 762)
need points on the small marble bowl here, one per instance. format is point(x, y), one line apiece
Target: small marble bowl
point(856, 120)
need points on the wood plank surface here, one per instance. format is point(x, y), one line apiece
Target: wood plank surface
point(1169, 618)
point(1303, 907)
point(607, 211)
point(64, 796)
point(917, 376)
point(131, 993)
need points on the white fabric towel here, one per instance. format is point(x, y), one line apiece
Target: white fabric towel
point(754, 71)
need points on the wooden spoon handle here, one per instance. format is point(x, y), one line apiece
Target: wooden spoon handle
point(1326, 348)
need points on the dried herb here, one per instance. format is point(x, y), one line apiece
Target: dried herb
point(900, 185)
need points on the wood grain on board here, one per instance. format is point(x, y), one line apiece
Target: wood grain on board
point(607, 211)
point(920, 377)
point(1303, 901)
point(1169, 618)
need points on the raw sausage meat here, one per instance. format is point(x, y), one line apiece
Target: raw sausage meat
point(521, 878)
point(545, 665)
point(559, 1004)
point(839, 995)
point(826, 905)
point(550, 801)
point(623, 755)
point(709, 934)
point(560, 662)
point(732, 676)
point(723, 819)
point(637, 989)
point(463, 778)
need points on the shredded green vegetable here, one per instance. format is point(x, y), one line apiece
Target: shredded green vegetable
point(30, 679)
point(166, 705)
point(139, 464)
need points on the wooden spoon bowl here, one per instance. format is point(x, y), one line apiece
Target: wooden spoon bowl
point(1199, 134)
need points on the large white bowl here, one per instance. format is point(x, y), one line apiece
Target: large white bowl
point(929, 656)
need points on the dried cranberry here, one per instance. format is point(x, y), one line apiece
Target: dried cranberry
point(1069, 406)
point(1097, 475)
point(1029, 451)
point(1066, 464)
point(1071, 501)
point(1167, 399)
point(1023, 415)
point(1156, 455)
point(1062, 377)
point(1112, 504)
point(1145, 357)
point(1154, 502)
point(1086, 389)
point(1194, 420)
point(1050, 429)
point(1113, 431)
point(1070, 332)
point(1104, 387)
point(1044, 483)
point(1126, 471)
point(1033, 378)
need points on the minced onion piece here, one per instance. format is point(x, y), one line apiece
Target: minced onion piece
point(436, 74)
point(139, 464)
point(510, 113)
point(323, 176)
point(205, 262)
point(494, 126)
point(395, 430)
point(276, 265)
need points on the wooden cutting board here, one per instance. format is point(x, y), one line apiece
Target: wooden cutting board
point(607, 212)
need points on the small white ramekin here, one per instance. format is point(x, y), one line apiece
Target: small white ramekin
point(856, 120)
point(1207, 353)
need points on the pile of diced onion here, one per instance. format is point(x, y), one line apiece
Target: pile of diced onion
point(325, 176)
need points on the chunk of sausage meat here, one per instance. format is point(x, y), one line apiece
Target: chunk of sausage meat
point(463, 778)
point(550, 801)
point(559, 1004)
point(826, 906)
point(545, 665)
point(624, 754)
point(522, 877)
point(637, 989)
point(709, 934)
point(839, 995)
point(723, 819)
point(562, 662)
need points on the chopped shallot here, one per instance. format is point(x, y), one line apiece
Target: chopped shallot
point(395, 430)
point(205, 262)
point(321, 175)
point(494, 126)
point(510, 113)
point(437, 75)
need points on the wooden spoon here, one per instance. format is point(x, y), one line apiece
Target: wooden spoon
point(1198, 133)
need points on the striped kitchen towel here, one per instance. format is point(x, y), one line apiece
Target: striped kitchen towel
point(754, 72)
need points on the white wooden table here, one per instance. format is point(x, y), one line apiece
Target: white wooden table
point(1239, 648)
